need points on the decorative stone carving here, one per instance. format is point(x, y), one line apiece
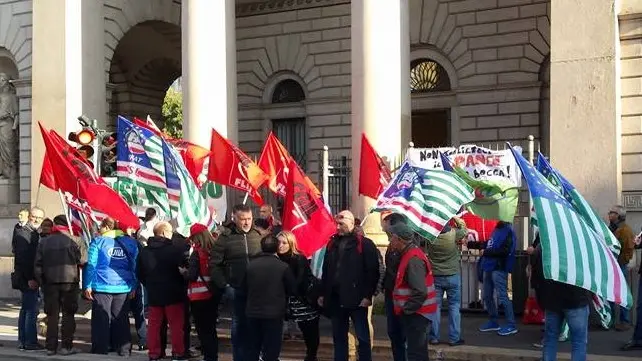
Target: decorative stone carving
point(8, 129)
point(272, 6)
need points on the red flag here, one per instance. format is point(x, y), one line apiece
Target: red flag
point(370, 184)
point(194, 156)
point(149, 125)
point(305, 214)
point(231, 167)
point(73, 175)
point(274, 161)
point(46, 174)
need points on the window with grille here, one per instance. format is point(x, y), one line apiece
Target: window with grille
point(291, 132)
point(428, 76)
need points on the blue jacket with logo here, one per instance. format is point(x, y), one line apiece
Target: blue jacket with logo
point(110, 269)
point(499, 254)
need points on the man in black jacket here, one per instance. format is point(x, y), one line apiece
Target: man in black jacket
point(24, 244)
point(392, 259)
point(561, 301)
point(158, 270)
point(58, 259)
point(268, 282)
point(349, 281)
point(229, 258)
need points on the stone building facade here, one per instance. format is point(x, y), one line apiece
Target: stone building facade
point(319, 72)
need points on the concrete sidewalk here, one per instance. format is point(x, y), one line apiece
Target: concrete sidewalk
point(603, 345)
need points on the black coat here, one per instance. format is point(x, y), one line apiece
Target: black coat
point(268, 282)
point(24, 244)
point(552, 295)
point(157, 270)
point(350, 271)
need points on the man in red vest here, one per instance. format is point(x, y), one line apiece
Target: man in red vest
point(414, 294)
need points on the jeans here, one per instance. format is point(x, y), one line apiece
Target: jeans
point(340, 327)
point(414, 326)
point(624, 313)
point(497, 281)
point(266, 335)
point(138, 310)
point(637, 333)
point(239, 326)
point(28, 318)
point(451, 285)
point(61, 297)
point(395, 330)
point(577, 320)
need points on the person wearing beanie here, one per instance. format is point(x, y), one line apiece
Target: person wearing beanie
point(203, 298)
point(624, 234)
point(414, 294)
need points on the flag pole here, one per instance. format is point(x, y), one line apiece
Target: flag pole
point(38, 193)
point(65, 209)
point(247, 194)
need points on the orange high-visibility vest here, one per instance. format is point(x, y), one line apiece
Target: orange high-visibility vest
point(401, 292)
point(199, 290)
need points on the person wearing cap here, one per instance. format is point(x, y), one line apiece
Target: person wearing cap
point(203, 299)
point(624, 234)
point(349, 281)
point(413, 296)
point(158, 270)
point(445, 257)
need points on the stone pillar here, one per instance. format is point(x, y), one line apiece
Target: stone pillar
point(68, 77)
point(209, 69)
point(380, 87)
point(585, 103)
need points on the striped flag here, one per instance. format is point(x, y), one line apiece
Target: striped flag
point(140, 162)
point(428, 198)
point(578, 202)
point(566, 189)
point(572, 251)
point(160, 165)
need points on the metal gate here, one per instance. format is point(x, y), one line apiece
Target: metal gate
point(336, 185)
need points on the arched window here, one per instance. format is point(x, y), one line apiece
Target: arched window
point(428, 76)
point(291, 131)
point(288, 91)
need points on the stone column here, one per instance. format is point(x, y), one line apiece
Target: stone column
point(209, 69)
point(68, 77)
point(585, 103)
point(380, 87)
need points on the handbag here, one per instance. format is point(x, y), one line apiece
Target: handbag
point(16, 283)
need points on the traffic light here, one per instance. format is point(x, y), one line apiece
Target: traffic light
point(85, 138)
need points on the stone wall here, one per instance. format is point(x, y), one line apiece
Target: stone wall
point(311, 46)
point(495, 50)
point(631, 92)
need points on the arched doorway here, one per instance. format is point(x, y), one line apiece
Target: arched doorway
point(431, 112)
point(146, 61)
point(288, 118)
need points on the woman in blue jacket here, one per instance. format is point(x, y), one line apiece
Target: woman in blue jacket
point(109, 282)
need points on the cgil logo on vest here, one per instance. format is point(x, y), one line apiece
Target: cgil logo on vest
point(116, 253)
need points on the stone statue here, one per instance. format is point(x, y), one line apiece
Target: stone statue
point(8, 129)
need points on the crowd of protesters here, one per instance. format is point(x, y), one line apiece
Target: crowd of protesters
point(166, 280)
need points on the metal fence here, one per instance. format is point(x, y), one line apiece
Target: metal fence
point(336, 173)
